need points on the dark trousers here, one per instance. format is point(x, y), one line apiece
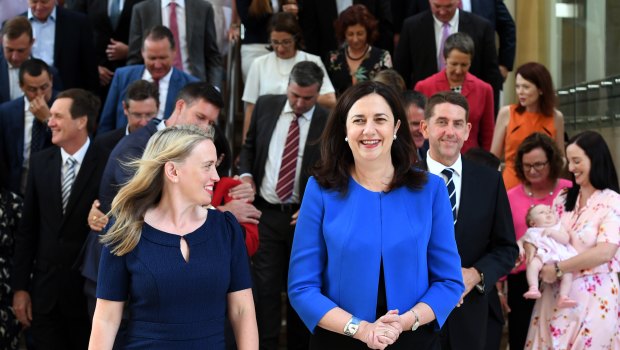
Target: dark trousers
point(520, 310)
point(270, 270)
point(495, 323)
point(59, 330)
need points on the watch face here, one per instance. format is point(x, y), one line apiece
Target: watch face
point(353, 328)
point(415, 325)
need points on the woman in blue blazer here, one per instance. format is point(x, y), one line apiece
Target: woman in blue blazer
point(374, 258)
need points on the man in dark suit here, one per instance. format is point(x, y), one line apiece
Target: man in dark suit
point(414, 103)
point(199, 54)
point(317, 17)
point(281, 126)
point(494, 11)
point(483, 222)
point(140, 105)
point(61, 185)
point(64, 39)
point(158, 51)
point(17, 43)
point(417, 52)
point(29, 112)
point(111, 32)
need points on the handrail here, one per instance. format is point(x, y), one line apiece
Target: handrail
point(233, 63)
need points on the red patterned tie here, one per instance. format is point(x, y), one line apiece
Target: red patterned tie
point(174, 28)
point(286, 177)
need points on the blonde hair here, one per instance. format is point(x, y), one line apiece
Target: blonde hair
point(144, 189)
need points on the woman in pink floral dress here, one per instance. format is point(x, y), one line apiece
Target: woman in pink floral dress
point(590, 212)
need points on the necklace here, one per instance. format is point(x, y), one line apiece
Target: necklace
point(530, 194)
point(357, 58)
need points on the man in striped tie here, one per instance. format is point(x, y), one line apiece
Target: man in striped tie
point(483, 222)
point(278, 153)
point(62, 182)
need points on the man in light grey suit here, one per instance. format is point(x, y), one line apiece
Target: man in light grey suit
point(197, 41)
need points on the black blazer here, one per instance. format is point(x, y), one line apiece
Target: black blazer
point(97, 12)
point(485, 239)
point(494, 11)
point(256, 147)
point(317, 18)
point(74, 52)
point(48, 241)
point(5, 89)
point(415, 56)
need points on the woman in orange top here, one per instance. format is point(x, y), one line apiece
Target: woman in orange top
point(535, 112)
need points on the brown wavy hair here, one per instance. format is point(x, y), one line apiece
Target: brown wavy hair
point(334, 168)
point(544, 142)
point(538, 75)
point(356, 14)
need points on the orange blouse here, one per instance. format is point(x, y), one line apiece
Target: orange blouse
point(519, 127)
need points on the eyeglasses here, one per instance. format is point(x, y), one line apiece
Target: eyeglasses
point(538, 166)
point(283, 43)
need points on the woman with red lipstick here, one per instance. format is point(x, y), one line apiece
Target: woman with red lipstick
point(535, 112)
point(182, 268)
point(459, 52)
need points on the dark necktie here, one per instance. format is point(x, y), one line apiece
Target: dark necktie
point(37, 136)
point(286, 177)
point(115, 13)
point(449, 172)
point(67, 181)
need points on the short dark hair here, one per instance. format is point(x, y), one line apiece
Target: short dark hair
point(391, 78)
point(192, 92)
point(412, 97)
point(306, 73)
point(602, 170)
point(34, 67)
point(446, 97)
point(461, 42)
point(287, 22)
point(538, 75)
point(16, 27)
point(333, 169)
point(157, 33)
point(141, 90)
point(84, 103)
point(483, 157)
point(356, 14)
point(544, 142)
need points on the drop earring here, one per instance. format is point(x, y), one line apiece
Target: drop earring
point(346, 139)
point(394, 136)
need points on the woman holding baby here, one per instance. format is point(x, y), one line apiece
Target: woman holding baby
point(590, 213)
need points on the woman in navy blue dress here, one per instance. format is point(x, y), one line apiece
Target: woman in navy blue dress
point(181, 267)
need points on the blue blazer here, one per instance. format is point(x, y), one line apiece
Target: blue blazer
point(340, 241)
point(113, 116)
point(5, 89)
point(12, 139)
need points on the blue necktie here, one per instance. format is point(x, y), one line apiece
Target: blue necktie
point(115, 12)
point(448, 172)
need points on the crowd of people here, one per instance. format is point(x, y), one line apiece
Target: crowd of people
point(368, 206)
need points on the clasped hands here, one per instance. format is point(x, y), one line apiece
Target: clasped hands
point(383, 332)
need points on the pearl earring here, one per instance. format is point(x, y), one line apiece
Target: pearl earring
point(394, 136)
point(346, 139)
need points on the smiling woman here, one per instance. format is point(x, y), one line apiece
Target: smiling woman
point(363, 205)
point(458, 53)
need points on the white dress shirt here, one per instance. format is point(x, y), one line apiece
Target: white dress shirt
point(44, 34)
point(164, 83)
point(181, 25)
point(434, 167)
point(28, 120)
point(342, 5)
point(14, 90)
point(274, 155)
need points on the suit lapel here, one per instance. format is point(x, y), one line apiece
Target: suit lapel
point(59, 34)
point(82, 179)
point(54, 164)
point(5, 90)
point(189, 8)
point(314, 132)
point(468, 193)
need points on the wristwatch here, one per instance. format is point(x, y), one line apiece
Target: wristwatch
point(480, 286)
point(352, 326)
point(416, 322)
point(558, 273)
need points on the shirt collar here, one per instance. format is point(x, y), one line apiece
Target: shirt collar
point(52, 16)
point(165, 79)
point(78, 156)
point(453, 22)
point(307, 116)
point(436, 168)
point(165, 3)
point(26, 104)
